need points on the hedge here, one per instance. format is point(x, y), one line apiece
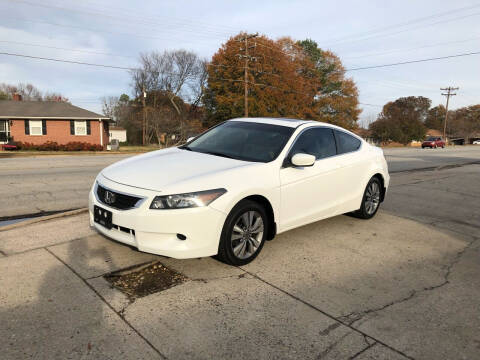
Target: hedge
point(54, 146)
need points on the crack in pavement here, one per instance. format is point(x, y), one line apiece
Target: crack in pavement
point(109, 305)
point(332, 346)
point(369, 346)
point(353, 317)
point(326, 314)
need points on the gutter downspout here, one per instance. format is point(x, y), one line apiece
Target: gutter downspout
point(101, 132)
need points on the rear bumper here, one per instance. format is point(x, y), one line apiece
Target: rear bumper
point(155, 231)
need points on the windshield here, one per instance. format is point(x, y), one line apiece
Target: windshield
point(243, 141)
point(431, 138)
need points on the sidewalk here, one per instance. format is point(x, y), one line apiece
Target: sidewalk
point(340, 288)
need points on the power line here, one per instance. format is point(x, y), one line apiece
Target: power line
point(61, 48)
point(68, 61)
point(96, 30)
point(140, 21)
point(400, 31)
point(413, 61)
point(376, 53)
point(352, 69)
point(409, 22)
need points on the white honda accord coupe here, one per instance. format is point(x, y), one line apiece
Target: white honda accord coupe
point(228, 190)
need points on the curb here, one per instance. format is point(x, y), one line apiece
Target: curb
point(43, 218)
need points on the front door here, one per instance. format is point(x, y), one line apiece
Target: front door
point(310, 193)
point(4, 133)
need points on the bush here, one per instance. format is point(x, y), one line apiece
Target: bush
point(54, 146)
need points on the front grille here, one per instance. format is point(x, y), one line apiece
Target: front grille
point(119, 201)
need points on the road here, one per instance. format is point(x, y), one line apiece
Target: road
point(31, 185)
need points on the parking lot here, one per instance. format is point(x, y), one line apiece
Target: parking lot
point(405, 284)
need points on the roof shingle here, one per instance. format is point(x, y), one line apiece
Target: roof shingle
point(10, 109)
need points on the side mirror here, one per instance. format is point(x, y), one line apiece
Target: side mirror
point(303, 160)
point(190, 138)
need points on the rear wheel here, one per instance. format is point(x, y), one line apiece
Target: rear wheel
point(370, 200)
point(243, 234)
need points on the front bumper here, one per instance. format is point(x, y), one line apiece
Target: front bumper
point(155, 231)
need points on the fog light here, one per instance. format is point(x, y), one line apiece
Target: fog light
point(181, 237)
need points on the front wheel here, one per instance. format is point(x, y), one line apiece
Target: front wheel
point(243, 234)
point(370, 200)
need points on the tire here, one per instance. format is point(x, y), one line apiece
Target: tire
point(240, 242)
point(366, 210)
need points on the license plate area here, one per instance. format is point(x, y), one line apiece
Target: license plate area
point(102, 217)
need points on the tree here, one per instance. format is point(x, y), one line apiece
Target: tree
point(465, 122)
point(285, 79)
point(28, 92)
point(274, 88)
point(402, 120)
point(337, 97)
point(110, 106)
point(170, 80)
point(435, 118)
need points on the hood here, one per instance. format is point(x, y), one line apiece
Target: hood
point(159, 169)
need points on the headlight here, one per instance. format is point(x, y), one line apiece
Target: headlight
point(189, 200)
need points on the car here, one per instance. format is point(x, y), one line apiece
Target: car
point(228, 190)
point(476, 142)
point(433, 142)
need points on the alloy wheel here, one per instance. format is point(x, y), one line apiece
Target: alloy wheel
point(247, 234)
point(372, 198)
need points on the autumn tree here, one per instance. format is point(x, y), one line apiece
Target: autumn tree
point(336, 99)
point(435, 118)
point(285, 79)
point(274, 87)
point(402, 120)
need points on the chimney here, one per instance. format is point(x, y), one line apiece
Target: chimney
point(17, 97)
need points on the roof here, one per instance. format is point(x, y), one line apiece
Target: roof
point(434, 132)
point(10, 109)
point(276, 121)
point(118, 128)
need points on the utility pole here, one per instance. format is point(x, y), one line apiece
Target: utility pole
point(247, 58)
point(144, 120)
point(447, 94)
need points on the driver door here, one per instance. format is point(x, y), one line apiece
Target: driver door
point(310, 193)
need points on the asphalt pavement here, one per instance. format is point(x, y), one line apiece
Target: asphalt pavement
point(31, 185)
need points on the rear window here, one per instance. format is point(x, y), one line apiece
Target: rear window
point(346, 143)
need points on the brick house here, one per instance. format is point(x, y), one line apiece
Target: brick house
point(37, 122)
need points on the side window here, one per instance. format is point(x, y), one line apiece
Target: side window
point(346, 143)
point(36, 127)
point(319, 142)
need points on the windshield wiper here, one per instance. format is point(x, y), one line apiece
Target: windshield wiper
point(185, 147)
point(218, 154)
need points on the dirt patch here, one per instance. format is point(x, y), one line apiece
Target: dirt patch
point(145, 280)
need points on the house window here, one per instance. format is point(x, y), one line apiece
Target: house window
point(80, 128)
point(35, 127)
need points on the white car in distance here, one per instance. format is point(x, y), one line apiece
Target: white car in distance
point(237, 185)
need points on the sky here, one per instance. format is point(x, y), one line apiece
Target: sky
point(361, 33)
